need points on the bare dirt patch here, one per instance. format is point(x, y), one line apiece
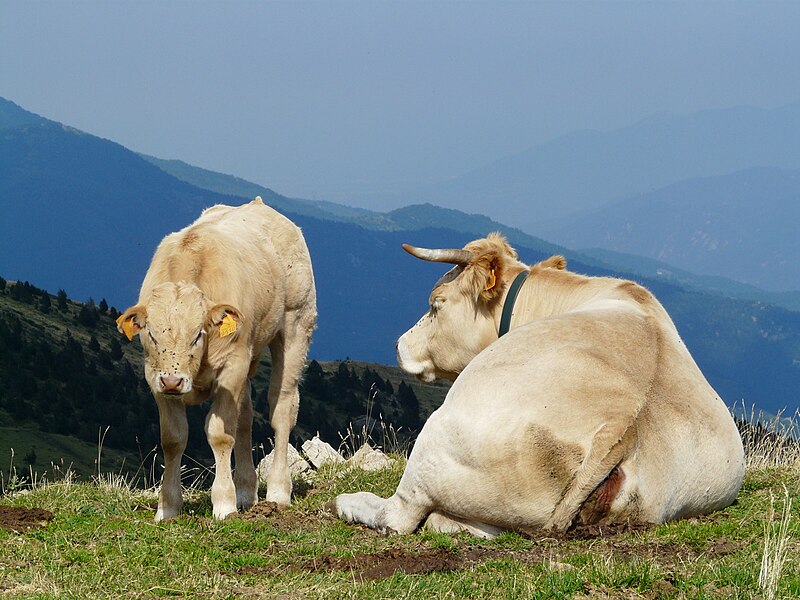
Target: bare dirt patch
point(282, 520)
point(380, 565)
point(551, 549)
point(16, 518)
point(589, 532)
point(385, 563)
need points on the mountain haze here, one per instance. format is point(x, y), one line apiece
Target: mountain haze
point(742, 226)
point(586, 169)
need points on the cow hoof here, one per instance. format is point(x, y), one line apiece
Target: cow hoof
point(220, 512)
point(164, 514)
point(281, 498)
point(245, 501)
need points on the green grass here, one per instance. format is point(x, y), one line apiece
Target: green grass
point(54, 452)
point(102, 542)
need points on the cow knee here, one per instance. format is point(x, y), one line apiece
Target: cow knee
point(173, 445)
point(218, 435)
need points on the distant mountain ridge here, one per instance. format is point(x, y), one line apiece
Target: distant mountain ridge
point(229, 185)
point(13, 115)
point(586, 169)
point(722, 286)
point(742, 225)
point(408, 218)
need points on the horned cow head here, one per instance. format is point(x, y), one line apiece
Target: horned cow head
point(460, 322)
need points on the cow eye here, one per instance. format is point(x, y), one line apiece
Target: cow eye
point(152, 339)
point(198, 338)
point(436, 305)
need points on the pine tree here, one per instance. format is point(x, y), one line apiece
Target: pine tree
point(116, 349)
point(45, 304)
point(409, 407)
point(61, 300)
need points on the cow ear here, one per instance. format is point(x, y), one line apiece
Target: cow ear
point(225, 318)
point(491, 283)
point(132, 321)
point(492, 276)
point(554, 262)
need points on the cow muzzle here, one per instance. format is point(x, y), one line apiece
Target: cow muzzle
point(422, 369)
point(173, 384)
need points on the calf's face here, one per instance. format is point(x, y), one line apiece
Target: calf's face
point(175, 326)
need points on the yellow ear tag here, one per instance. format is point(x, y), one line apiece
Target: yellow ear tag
point(127, 328)
point(492, 281)
point(228, 326)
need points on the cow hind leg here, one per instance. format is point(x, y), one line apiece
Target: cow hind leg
point(288, 352)
point(446, 523)
point(244, 476)
point(598, 481)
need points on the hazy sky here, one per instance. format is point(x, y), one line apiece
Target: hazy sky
point(347, 100)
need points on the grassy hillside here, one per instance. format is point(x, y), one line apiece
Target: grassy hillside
point(98, 540)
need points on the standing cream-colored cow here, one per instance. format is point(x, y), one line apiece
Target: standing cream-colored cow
point(590, 410)
point(218, 292)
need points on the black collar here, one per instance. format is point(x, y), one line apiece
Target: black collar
point(508, 305)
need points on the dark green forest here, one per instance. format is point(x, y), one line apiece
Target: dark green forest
point(66, 370)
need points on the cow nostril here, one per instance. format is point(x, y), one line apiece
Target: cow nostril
point(172, 384)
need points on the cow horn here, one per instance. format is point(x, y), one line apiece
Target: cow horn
point(454, 256)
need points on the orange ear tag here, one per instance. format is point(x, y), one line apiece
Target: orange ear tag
point(492, 281)
point(228, 326)
point(127, 327)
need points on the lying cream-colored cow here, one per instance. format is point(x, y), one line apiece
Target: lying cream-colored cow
point(218, 292)
point(589, 410)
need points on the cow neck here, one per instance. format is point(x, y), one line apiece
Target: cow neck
point(508, 304)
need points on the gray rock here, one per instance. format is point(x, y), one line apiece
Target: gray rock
point(320, 453)
point(297, 464)
point(369, 459)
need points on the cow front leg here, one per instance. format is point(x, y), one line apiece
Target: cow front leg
point(174, 435)
point(221, 426)
point(384, 515)
point(244, 476)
